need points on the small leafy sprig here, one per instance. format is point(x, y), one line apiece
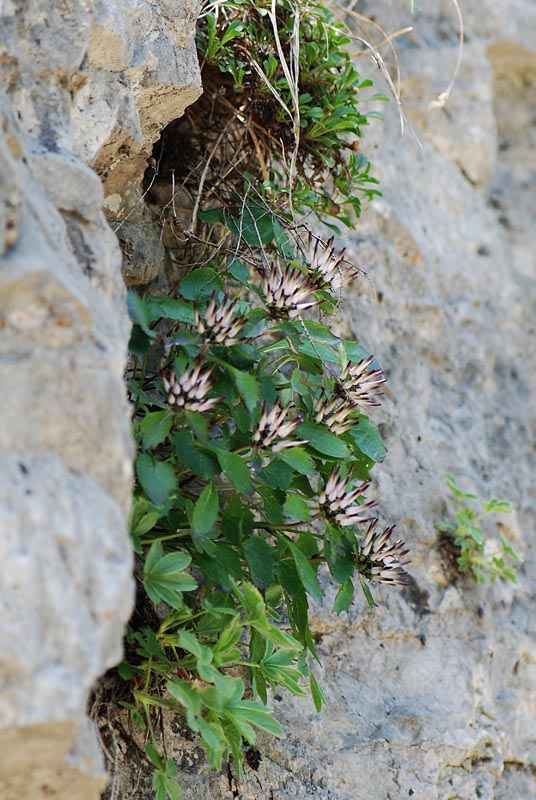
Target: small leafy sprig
point(482, 556)
point(291, 79)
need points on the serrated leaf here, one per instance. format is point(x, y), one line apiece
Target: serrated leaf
point(344, 597)
point(155, 427)
point(200, 284)
point(157, 478)
point(246, 385)
point(189, 454)
point(277, 475)
point(171, 308)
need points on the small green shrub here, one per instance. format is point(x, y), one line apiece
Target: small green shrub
point(470, 539)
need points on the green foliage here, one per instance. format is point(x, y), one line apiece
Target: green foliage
point(483, 557)
point(297, 88)
point(254, 445)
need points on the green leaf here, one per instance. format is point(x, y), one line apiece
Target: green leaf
point(221, 568)
point(164, 578)
point(189, 454)
point(157, 478)
point(344, 597)
point(235, 469)
point(154, 427)
point(323, 440)
point(171, 308)
point(298, 459)
point(319, 698)
point(205, 511)
point(368, 594)
point(255, 225)
point(246, 385)
point(140, 313)
point(277, 475)
point(305, 571)
point(200, 284)
point(260, 558)
point(369, 441)
point(297, 508)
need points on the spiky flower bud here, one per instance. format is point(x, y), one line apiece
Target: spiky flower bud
point(190, 389)
point(220, 324)
point(361, 384)
point(327, 266)
point(287, 291)
point(335, 412)
point(274, 426)
point(380, 560)
point(339, 504)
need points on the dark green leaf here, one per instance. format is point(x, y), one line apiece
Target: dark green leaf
point(344, 597)
point(260, 558)
point(323, 440)
point(297, 508)
point(369, 441)
point(305, 571)
point(200, 284)
point(235, 469)
point(171, 308)
point(155, 427)
point(298, 459)
point(205, 511)
point(277, 475)
point(189, 454)
point(140, 312)
point(157, 478)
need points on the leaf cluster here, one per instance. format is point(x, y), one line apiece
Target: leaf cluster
point(485, 559)
point(300, 96)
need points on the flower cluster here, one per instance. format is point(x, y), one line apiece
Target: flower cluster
point(220, 324)
point(327, 265)
point(360, 384)
point(335, 412)
point(190, 389)
point(273, 426)
point(287, 291)
point(380, 559)
point(339, 504)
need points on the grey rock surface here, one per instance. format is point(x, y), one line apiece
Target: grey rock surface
point(82, 85)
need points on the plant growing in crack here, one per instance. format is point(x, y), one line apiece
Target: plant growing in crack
point(487, 559)
point(250, 415)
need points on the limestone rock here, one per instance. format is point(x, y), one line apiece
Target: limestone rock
point(77, 82)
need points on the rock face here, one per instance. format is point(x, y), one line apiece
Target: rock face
point(81, 84)
point(431, 696)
